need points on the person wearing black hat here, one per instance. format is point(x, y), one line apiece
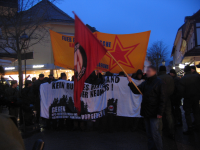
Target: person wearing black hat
point(176, 99)
point(169, 89)
point(12, 96)
point(189, 89)
point(36, 92)
point(63, 76)
point(28, 100)
point(193, 70)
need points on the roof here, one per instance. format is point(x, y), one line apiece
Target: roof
point(186, 28)
point(92, 29)
point(194, 16)
point(48, 12)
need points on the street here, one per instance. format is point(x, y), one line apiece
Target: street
point(74, 140)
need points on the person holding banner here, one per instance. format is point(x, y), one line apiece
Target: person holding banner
point(152, 106)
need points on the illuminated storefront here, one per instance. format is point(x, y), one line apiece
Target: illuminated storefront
point(11, 72)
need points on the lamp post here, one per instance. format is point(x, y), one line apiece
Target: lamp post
point(24, 38)
point(163, 62)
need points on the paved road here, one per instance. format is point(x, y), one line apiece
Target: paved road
point(77, 140)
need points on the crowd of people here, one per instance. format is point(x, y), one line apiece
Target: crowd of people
point(160, 107)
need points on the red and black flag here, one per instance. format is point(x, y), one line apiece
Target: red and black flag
point(88, 52)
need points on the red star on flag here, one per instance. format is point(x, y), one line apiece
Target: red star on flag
point(121, 54)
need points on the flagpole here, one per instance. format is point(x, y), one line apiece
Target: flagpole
point(123, 71)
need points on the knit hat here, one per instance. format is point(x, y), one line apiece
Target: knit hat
point(162, 68)
point(187, 68)
point(173, 71)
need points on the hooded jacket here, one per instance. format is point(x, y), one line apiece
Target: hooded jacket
point(153, 100)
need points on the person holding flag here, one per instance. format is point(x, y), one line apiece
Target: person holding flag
point(152, 106)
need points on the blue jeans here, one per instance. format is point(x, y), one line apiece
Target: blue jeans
point(153, 133)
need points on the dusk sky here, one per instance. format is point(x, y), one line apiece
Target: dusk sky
point(162, 17)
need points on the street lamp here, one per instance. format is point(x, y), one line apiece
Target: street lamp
point(163, 62)
point(24, 38)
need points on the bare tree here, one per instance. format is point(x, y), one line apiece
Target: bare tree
point(22, 27)
point(156, 53)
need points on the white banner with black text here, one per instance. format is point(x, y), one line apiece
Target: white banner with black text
point(114, 96)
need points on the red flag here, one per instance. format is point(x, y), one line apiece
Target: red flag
point(88, 52)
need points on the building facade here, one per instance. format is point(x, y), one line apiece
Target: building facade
point(186, 49)
point(42, 60)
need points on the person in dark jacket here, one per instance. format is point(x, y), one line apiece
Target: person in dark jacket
point(169, 89)
point(12, 96)
point(28, 101)
point(36, 92)
point(189, 89)
point(152, 106)
point(176, 99)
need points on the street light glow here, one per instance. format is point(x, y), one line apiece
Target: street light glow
point(181, 66)
point(38, 66)
point(9, 68)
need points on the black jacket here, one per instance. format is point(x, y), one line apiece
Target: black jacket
point(27, 95)
point(176, 95)
point(153, 100)
point(189, 85)
point(36, 92)
point(36, 87)
point(12, 97)
point(168, 83)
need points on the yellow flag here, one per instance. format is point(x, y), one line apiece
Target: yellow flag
point(128, 49)
point(63, 50)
